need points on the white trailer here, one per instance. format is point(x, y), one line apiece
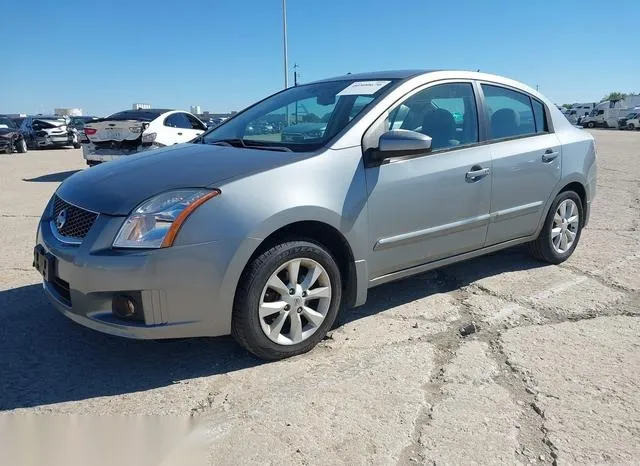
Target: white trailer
point(607, 113)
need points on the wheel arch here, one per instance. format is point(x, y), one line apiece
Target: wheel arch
point(573, 183)
point(323, 234)
point(580, 190)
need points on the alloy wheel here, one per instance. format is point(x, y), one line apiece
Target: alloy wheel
point(564, 229)
point(295, 301)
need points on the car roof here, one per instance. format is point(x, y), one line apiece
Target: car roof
point(378, 75)
point(156, 110)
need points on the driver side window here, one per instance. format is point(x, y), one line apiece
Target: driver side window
point(446, 112)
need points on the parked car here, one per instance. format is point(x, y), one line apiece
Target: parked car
point(303, 131)
point(11, 138)
point(267, 239)
point(42, 131)
point(132, 131)
point(79, 122)
point(631, 121)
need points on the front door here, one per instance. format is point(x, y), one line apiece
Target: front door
point(435, 205)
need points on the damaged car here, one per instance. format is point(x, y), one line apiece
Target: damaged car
point(11, 138)
point(43, 131)
point(133, 131)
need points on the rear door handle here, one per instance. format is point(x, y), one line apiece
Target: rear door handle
point(476, 173)
point(550, 155)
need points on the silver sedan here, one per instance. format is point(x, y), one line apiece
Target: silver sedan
point(267, 237)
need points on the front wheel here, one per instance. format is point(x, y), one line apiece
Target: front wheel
point(21, 146)
point(286, 300)
point(591, 124)
point(631, 126)
point(561, 231)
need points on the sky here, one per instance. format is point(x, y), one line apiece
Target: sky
point(223, 55)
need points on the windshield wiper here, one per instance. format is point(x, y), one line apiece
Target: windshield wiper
point(228, 142)
point(241, 143)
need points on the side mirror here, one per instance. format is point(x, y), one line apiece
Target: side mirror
point(401, 142)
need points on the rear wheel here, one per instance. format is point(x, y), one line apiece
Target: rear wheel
point(561, 231)
point(93, 163)
point(287, 300)
point(77, 145)
point(591, 124)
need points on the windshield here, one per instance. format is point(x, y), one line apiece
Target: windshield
point(7, 122)
point(302, 118)
point(46, 123)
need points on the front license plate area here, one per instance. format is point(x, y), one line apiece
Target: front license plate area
point(44, 263)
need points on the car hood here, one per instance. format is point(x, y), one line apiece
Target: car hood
point(7, 132)
point(116, 188)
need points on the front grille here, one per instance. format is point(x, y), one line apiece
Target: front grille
point(77, 221)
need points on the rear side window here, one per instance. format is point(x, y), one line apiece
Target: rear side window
point(539, 116)
point(510, 112)
point(194, 122)
point(177, 120)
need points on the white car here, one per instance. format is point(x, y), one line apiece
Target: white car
point(133, 131)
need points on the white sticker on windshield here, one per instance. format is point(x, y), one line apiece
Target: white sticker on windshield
point(363, 88)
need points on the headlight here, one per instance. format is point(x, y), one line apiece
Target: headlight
point(156, 222)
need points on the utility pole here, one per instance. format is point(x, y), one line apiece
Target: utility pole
point(284, 39)
point(295, 83)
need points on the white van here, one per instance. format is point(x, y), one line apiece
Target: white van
point(578, 112)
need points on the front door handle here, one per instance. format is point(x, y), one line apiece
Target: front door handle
point(550, 155)
point(179, 134)
point(476, 173)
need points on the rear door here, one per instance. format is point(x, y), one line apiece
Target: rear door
point(197, 127)
point(526, 158)
point(178, 129)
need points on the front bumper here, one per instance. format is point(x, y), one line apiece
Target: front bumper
point(53, 141)
point(5, 144)
point(180, 289)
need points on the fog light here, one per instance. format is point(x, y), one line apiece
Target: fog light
point(125, 307)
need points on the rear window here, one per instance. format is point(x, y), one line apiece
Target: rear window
point(141, 115)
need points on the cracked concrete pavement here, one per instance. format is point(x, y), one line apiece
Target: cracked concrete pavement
point(550, 377)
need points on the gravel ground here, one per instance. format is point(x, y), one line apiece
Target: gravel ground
point(550, 377)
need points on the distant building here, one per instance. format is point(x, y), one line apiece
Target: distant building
point(195, 109)
point(68, 111)
point(140, 106)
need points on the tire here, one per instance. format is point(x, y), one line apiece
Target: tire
point(543, 248)
point(21, 146)
point(77, 145)
point(631, 127)
point(93, 163)
point(249, 328)
point(591, 124)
